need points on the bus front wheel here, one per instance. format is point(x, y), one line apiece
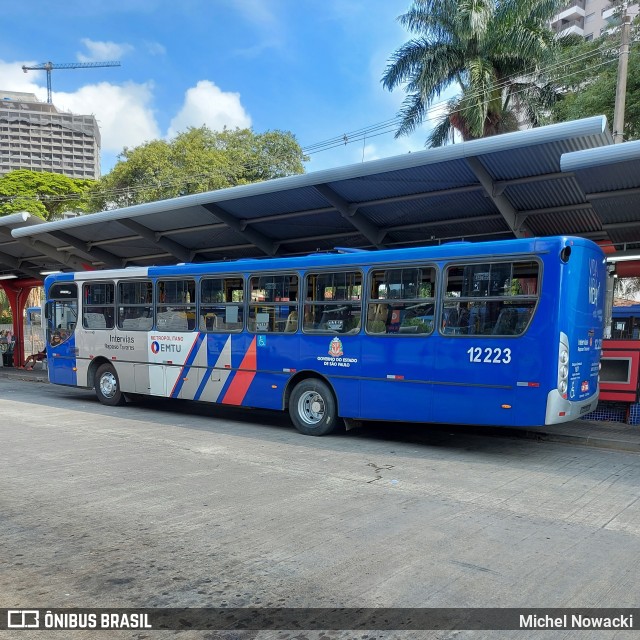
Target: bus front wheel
point(108, 386)
point(312, 408)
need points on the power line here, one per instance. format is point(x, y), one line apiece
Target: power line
point(372, 131)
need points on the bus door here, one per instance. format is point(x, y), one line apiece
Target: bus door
point(62, 317)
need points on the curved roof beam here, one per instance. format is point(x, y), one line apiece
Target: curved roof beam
point(109, 259)
point(65, 258)
point(264, 243)
point(176, 249)
point(350, 212)
point(502, 203)
point(14, 263)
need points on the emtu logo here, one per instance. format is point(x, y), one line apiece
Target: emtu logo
point(157, 347)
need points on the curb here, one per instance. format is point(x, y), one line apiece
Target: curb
point(23, 378)
point(586, 441)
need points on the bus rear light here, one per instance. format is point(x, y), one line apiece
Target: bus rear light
point(562, 413)
point(563, 369)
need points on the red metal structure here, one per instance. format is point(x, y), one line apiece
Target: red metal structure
point(17, 293)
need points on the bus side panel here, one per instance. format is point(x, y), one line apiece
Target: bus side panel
point(473, 380)
point(338, 359)
point(276, 355)
point(535, 377)
point(397, 374)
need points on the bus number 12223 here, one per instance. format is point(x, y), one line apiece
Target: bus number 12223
point(495, 355)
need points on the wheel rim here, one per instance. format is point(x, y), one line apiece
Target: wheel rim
point(108, 384)
point(311, 407)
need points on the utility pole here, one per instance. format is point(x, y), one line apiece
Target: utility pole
point(621, 86)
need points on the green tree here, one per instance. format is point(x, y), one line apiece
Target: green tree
point(46, 195)
point(493, 50)
point(587, 73)
point(197, 160)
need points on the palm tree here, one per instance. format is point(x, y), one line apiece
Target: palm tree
point(493, 49)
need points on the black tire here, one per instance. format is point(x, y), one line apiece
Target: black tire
point(108, 386)
point(312, 407)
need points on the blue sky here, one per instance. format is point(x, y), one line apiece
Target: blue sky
point(312, 67)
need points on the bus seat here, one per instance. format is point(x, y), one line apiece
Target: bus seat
point(131, 323)
point(353, 326)
point(145, 323)
point(292, 322)
point(208, 322)
point(94, 321)
point(377, 316)
point(173, 321)
point(382, 313)
point(506, 322)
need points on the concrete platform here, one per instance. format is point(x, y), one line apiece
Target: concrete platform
point(589, 433)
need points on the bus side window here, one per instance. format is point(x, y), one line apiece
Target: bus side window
point(135, 305)
point(493, 298)
point(273, 301)
point(401, 300)
point(333, 302)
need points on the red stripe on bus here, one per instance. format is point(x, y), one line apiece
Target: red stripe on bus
point(244, 377)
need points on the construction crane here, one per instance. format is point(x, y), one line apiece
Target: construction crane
point(49, 66)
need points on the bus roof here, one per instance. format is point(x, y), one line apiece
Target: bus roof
point(447, 251)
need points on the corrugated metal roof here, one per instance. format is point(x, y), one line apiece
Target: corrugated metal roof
point(474, 190)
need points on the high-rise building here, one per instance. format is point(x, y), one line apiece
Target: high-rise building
point(35, 135)
point(587, 18)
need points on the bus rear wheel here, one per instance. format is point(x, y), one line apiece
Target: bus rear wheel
point(312, 407)
point(108, 386)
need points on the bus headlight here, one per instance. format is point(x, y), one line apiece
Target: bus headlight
point(562, 387)
point(564, 356)
point(564, 372)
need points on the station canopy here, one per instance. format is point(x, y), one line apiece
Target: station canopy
point(567, 178)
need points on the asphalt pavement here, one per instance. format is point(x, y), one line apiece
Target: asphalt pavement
point(591, 433)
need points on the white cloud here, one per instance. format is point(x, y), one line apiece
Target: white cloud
point(207, 104)
point(12, 78)
point(256, 11)
point(155, 48)
point(101, 51)
point(124, 114)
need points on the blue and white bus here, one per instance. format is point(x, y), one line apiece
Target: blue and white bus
point(495, 333)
